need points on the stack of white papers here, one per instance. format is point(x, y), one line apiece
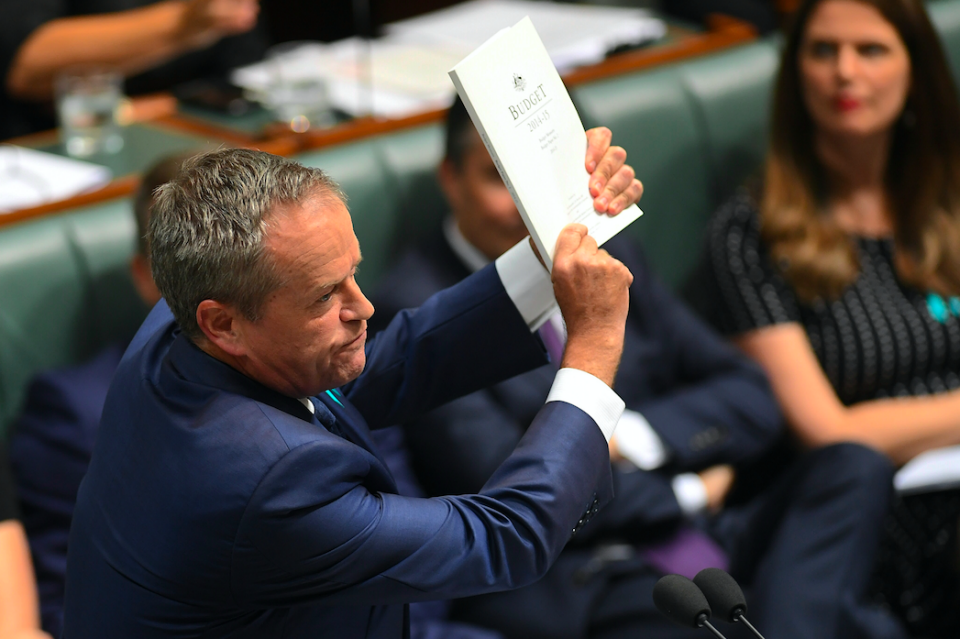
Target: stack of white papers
point(405, 72)
point(31, 178)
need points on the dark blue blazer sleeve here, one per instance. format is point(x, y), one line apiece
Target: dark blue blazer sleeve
point(462, 339)
point(295, 543)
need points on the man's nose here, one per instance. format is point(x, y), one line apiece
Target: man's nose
point(356, 306)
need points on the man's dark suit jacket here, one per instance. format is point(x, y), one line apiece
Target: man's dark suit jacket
point(215, 507)
point(51, 445)
point(707, 402)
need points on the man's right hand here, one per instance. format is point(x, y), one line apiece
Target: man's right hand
point(592, 289)
point(205, 22)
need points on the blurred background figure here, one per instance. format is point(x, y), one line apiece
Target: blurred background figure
point(19, 616)
point(840, 273)
point(155, 45)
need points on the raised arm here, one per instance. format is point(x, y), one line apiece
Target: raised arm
point(129, 41)
point(385, 548)
point(901, 428)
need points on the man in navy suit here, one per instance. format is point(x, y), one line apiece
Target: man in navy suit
point(695, 406)
point(53, 438)
point(234, 489)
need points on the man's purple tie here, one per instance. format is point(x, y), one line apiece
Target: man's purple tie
point(686, 553)
point(553, 341)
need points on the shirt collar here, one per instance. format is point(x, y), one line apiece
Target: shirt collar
point(469, 254)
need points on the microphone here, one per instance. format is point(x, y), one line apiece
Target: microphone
point(725, 596)
point(681, 601)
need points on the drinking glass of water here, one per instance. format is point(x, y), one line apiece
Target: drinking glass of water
point(87, 103)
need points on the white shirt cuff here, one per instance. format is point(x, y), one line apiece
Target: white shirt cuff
point(590, 395)
point(639, 443)
point(527, 283)
point(691, 493)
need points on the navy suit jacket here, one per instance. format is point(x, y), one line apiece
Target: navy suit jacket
point(707, 402)
point(214, 506)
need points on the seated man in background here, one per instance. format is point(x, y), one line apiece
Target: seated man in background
point(695, 406)
point(53, 439)
point(154, 44)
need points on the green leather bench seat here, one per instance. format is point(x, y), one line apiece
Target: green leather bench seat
point(64, 293)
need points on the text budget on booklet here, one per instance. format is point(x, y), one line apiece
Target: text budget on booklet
point(524, 114)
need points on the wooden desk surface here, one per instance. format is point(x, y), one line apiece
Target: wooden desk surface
point(722, 32)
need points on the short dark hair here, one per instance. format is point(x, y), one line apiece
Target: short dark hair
point(459, 133)
point(161, 173)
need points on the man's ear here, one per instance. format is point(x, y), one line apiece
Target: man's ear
point(448, 176)
point(220, 326)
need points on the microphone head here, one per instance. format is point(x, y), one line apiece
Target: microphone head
point(679, 600)
point(722, 592)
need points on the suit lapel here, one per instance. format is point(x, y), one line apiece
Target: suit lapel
point(350, 421)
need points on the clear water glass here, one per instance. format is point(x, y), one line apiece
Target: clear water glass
point(88, 101)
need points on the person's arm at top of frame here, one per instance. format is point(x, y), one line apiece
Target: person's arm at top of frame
point(129, 41)
point(901, 428)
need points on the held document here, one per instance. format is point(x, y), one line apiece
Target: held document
point(529, 125)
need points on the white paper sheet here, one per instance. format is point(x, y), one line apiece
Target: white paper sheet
point(937, 469)
point(31, 178)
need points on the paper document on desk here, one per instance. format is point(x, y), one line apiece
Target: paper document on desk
point(30, 178)
point(533, 132)
point(934, 470)
point(573, 34)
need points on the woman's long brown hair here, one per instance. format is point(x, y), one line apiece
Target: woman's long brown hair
point(922, 175)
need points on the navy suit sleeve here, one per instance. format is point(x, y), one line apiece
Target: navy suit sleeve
point(462, 339)
point(457, 447)
point(384, 548)
point(716, 406)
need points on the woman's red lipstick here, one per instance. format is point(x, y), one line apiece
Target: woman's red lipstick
point(845, 104)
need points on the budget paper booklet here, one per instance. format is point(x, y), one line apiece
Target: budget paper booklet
point(533, 132)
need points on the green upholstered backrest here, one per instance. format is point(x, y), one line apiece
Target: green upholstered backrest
point(731, 93)
point(693, 131)
point(65, 293)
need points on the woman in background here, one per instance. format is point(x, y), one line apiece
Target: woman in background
point(19, 614)
point(840, 275)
